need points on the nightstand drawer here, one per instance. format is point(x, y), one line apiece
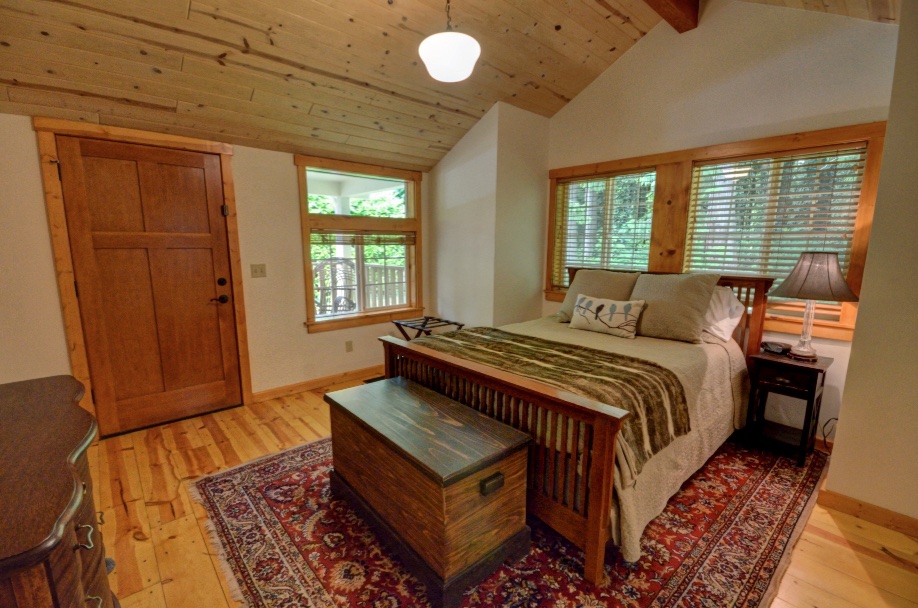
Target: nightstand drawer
point(785, 376)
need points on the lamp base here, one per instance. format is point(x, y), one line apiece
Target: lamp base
point(810, 358)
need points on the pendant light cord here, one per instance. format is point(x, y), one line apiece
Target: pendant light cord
point(449, 25)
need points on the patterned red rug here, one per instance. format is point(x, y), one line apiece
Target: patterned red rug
point(287, 542)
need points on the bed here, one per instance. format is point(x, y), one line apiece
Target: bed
point(580, 478)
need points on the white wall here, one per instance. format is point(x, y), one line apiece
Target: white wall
point(748, 71)
point(487, 221)
point(461, 217)
point(282, 352)
point(876, 456)
point(32, 342)
point(520, 219)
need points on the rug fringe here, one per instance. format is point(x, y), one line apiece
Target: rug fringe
point(211, 530)
point(213, 538)
point(772, 592)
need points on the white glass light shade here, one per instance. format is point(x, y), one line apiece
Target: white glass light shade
point(449, 56)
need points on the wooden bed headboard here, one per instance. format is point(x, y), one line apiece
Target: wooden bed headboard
point(750, 290)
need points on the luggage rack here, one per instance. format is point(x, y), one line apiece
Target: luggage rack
point(423, 325)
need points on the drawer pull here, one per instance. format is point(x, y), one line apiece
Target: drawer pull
point(89, 544)
point(782, 380)
point(99, 600)
point(491, 484)
point(84, 488)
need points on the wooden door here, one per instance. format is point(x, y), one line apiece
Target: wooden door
point(150, 257)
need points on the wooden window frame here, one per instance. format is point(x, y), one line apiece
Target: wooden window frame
point(310, 221)
point(673, 194)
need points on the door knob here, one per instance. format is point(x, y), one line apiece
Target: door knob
point(221, 299)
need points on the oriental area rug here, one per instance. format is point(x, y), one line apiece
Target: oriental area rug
point(286, 541)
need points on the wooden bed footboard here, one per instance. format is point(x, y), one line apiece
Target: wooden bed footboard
point(572, 457)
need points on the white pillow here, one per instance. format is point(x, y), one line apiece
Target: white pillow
point(614, 317)
point(723, 314)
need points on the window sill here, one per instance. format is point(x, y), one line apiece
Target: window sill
point(370, 318)
point(555, 296)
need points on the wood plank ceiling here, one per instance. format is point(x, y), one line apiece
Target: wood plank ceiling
point(335, 78)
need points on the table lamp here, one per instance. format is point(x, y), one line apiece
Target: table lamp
point(817, 276)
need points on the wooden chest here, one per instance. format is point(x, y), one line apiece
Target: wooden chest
point(444, 486)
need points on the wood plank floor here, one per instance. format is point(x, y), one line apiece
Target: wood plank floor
point(156, 532)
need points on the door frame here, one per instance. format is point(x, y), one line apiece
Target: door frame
point(47, 129)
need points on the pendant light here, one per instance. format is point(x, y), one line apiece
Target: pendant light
point(449, 56)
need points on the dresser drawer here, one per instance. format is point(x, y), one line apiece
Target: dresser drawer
point(791, 379)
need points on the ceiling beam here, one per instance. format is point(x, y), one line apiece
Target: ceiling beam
point(681, 14)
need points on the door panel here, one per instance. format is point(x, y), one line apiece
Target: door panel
point(114, 195)
point(148, 239)
point(130, 320)
point(180, 195)
point(189, 325)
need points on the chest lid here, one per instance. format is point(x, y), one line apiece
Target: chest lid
point(444, 439)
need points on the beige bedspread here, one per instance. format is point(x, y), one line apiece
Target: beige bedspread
point(714, 378)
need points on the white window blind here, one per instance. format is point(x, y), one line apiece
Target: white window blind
point(603, 222)
point(756, 216)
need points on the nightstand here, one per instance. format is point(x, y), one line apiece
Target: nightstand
point(782, 375)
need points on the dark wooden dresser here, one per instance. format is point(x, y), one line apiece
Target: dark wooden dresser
point(51, 553)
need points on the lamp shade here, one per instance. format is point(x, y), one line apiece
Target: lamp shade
point(449, 56)
point(817, 276)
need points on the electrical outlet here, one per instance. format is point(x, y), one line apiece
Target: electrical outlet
point(349, 346)
point(259, 271)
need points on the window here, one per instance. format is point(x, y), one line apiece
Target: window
point(362, 229)
point(602, 222)
point(756, 216)
point(746, 207)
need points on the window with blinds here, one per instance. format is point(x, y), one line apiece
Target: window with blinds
point(756, 216)
point(603, 222)
point(358, 272)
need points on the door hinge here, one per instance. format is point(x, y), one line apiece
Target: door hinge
point(225, 209)
point(60, 175)
point(92, 393)
point(76, 289)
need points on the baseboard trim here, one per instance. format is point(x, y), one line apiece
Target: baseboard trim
point(868, 512)
point(311, 385)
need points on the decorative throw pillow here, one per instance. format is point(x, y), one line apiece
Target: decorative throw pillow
point(675, 304)
point(606, 284)
point(723, 314)
point(607, 316)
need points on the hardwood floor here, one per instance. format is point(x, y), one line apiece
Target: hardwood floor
point(156, 532)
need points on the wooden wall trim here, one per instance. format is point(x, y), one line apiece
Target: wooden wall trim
point(46, 131)
point(868, 512)
point(232, 237)
point(318, 162)
point(670, 217)
point(134, 136)
point(779, 143)
point(63, 265)
point(311, 385)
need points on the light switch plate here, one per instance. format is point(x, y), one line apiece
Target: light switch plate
point(259, 271)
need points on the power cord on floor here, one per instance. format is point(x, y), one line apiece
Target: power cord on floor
point(825, 441)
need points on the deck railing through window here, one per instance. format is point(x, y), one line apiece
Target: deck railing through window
point(336, 288)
